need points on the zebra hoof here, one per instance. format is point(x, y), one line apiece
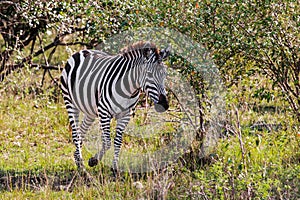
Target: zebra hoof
point(93, 161)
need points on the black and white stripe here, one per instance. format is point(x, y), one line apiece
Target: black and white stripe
point(108, 86)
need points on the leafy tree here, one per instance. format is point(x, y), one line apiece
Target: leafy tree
point(23, 23)
point(242, 36)
point(264, 35)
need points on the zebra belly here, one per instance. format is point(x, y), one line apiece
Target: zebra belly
point(86, 104)
point(123, 107)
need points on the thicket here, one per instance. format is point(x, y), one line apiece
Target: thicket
point(243, 37)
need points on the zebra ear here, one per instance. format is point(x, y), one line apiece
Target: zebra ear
point(164, 53)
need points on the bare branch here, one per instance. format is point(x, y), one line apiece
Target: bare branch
point(49, 67)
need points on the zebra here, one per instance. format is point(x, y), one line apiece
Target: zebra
point(105, 86)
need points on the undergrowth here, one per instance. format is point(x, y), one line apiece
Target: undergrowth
point(36, 159)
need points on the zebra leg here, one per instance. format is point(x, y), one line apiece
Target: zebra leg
point(76, 136)
point(106, 142)
point(85, 125)
point(121, 125)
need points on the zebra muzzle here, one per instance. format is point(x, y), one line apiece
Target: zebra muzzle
point(162, 105)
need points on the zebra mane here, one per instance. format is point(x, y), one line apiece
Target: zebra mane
point(138, 46)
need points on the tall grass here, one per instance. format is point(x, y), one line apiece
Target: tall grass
point(36, 159)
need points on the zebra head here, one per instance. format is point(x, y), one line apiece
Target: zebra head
point(154, 77)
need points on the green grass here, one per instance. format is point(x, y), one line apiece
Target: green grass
point(36, 159)
point(32, 133)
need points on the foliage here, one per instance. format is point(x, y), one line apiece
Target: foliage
point(254, 44)
point(243, 37)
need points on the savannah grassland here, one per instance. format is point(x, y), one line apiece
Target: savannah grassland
point(37, 153)
point(258, 152)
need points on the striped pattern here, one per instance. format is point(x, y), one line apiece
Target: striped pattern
point(108, 86)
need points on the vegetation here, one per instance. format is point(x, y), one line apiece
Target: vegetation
point(256, 48)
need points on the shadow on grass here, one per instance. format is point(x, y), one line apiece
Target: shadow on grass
point(32, 180)
point(56, 180)
point(64, 180)
point(67, 179)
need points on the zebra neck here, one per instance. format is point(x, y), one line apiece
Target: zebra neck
point(127, 78)
point(137, 74)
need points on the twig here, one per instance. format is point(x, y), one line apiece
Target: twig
point(184, 110)
point(46, 60)
point(71, 182)
point(239, 132)
point(49, 67)
point(7, 2)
